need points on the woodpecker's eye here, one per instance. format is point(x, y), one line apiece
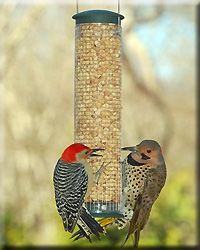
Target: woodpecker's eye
point(148, 151)
point(86, 152)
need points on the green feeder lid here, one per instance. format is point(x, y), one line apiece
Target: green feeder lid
point(98, 16)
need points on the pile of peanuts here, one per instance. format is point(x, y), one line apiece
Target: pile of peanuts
point(98, 102)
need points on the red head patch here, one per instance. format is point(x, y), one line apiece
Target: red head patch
point(69, 154)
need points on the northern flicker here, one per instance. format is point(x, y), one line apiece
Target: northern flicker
point(143, 177)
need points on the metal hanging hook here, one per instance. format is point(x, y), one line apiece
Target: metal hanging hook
point(118, 10)
point(118, 7)
point(77, 10)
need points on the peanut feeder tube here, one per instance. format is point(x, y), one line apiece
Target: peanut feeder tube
point(98, 102)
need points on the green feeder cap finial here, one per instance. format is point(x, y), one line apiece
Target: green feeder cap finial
point(98, 16)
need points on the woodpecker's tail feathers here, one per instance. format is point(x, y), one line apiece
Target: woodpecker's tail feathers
point(80, 234)
point(93, 225)
point(88, 225)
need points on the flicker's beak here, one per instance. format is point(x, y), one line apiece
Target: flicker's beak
point(133, 149)
point(95, 150)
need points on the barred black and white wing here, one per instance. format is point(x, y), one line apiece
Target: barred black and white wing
point(70, 183)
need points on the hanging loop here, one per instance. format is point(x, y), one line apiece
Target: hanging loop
point(77, 10)
point(118, 7)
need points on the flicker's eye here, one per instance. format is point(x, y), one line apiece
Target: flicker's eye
point(148, 151)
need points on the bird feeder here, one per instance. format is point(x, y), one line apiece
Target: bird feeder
point(98, 55)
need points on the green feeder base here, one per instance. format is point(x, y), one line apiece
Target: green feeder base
point(104, 209)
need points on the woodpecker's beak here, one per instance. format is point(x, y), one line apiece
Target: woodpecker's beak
point(133, 149)
point(95, 150)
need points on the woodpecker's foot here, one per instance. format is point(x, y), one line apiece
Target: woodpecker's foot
point(99, 172)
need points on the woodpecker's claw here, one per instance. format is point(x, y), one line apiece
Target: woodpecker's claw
point(99, 172)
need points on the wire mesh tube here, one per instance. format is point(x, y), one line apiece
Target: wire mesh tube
point(98, 102)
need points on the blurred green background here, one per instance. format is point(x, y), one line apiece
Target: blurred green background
point(36, 114)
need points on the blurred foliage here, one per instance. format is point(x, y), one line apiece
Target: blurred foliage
point(36, 110)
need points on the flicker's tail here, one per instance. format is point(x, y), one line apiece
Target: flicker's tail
point(133, 229)
point(105, 222)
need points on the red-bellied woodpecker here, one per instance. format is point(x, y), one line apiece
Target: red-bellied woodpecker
point(143, 177)
point(73, 180)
